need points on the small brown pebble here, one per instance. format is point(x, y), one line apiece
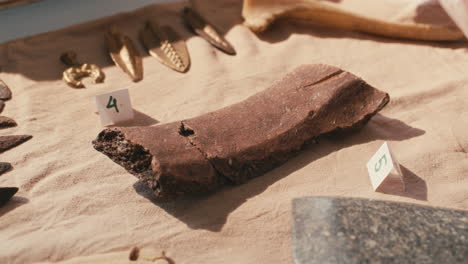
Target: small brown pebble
point(134, 254)
point(8, 142)
point(6, 193)
point(4, 167)
point(5, 92)
point(6, 122)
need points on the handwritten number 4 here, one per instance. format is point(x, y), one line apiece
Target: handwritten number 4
point(112, 103)
point(378, 165)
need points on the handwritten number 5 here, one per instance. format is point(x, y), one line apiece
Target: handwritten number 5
point(112, 103)
point(378, 165)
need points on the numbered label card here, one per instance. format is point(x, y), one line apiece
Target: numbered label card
point(114, 107)
point(383, 167)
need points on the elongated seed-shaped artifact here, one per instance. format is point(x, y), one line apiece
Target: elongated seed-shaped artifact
point(124, 54)
point(199, 25)
point(166, 45)
point(244, 140)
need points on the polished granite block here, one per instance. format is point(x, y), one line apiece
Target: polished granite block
point(352, 230)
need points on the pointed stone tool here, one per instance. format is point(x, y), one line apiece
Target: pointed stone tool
point(8, 142)
point(5, 92)
point(199, 25)
point(166, 45)
point(124, 54)
point(4, 167)
point(353, 230)
point(6, 193)
point(6, 122)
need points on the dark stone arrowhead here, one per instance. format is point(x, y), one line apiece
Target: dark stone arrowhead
point(8, 142)
point(350, 230)
point(6, 122)
point(6, 193)
point(4, 167)
point(5, 92)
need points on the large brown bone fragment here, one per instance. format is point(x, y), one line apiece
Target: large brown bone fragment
point(247, 139)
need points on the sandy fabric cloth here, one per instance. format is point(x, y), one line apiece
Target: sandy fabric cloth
point(76, 206)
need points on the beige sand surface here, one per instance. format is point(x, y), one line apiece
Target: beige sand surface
point(76, 206)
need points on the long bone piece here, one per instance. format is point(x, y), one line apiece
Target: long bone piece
point(244, 140)
point(260, 14)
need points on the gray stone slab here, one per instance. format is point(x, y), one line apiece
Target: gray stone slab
point(351, 230)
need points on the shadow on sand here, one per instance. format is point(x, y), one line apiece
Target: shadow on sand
point(211, 212)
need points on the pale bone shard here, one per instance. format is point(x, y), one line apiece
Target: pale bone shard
point(125, 55)
point(259, 14)
point(244, 140)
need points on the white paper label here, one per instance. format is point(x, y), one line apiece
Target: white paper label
point(458, 11)
point(382, 166)
point(114, 107)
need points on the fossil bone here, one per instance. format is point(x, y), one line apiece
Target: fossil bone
point(259, 14)
point(77, 71)
point(244, 140)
